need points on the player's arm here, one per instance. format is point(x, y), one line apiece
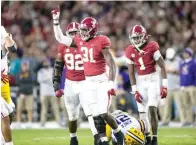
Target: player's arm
point(9, 43)
point(68, 41)
point(58, 69)
point(159, 60)
point(110, 62)
point(161, 64)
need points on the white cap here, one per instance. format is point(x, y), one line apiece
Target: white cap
point(170, 53)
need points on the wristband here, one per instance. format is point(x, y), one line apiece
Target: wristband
point(164, 82)
point(134, 88)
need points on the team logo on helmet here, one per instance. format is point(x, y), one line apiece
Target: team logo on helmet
point(88, 28)
point(72, 29)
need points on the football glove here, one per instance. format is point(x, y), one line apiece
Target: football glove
point(163, 93)
point(59, 93)
point(56, 15)
point(111, 91)
point(138, 97)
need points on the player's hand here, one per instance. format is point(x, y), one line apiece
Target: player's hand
point(138, 97)
point(111, 91)
point(163, 93)
point(56, 82)
point(56, 15)
point(4, 77)
point(59, 93)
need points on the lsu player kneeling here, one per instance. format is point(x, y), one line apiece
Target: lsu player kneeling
point(7, 45)
point(132, 128)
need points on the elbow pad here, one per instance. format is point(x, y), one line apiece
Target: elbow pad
point(12, 48)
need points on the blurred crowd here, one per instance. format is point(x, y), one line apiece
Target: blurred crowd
point(171, 24)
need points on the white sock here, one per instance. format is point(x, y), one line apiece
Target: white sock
point(9, 143)
point(144, 117)
point(92, 125)
point(73, 135)
point(116, 130)
point(104, 139)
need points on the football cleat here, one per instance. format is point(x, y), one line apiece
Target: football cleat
point(154, 141)
point(134, 137)
point(74, 141)
point(97, 140)
point(119, 137)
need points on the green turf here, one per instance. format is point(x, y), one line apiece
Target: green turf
point(167, 136)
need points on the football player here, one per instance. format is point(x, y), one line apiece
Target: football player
point(7, 45)
point(143, 55)
point(132, 128)
point(74, 94)
point(99, 88)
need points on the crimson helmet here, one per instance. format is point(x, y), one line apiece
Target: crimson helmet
point(138, 36)
point(72, 29)
point(88, 28)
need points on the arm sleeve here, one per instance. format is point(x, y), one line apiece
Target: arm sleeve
point(60, 37)
point(105, 42)
point(156, 52)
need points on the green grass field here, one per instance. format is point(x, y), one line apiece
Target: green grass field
point(167, 136)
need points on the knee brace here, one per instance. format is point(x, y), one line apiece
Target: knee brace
point(100, 124)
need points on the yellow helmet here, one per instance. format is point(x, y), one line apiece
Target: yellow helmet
point(134, 137)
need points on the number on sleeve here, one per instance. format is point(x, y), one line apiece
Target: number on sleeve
point(140, 60)
point(122, 118)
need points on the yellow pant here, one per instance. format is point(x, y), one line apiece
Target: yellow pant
point(5, 92)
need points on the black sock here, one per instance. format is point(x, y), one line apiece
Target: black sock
point(154, 138)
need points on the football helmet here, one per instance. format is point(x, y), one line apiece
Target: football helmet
point(134, 137)
point(72, 29)
point(138, 36)
point(88, 28)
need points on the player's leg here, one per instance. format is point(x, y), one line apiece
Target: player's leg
point(143, 111)
point(73, 107)
point(153, 100)
point(6, 130)
point(5, 122)
point(87, 111)
point(104, 101)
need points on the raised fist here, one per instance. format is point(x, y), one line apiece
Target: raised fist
point(56, 15)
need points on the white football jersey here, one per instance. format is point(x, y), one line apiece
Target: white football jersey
point(126, 122)
point(4, 59)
